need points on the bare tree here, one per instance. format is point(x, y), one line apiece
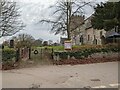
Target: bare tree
point(10, 22)
point(23, 40)
point(64, 12)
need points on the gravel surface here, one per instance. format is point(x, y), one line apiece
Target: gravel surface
point(63, 76)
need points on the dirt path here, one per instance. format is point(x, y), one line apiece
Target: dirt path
point(65, 76)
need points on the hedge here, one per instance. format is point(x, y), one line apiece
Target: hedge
point(87, 52)
point(8, 54)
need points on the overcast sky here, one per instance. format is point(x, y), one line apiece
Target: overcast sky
point(33, 11)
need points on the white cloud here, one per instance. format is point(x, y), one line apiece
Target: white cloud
point(35, 1)
point(3, 39)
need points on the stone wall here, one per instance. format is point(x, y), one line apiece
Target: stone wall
point(110, 55)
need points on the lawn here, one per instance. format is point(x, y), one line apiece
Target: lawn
point(75, 47)
point(55, 48)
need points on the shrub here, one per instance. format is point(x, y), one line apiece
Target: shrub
point(63, 55)
point(8, 54)
point(8, 57)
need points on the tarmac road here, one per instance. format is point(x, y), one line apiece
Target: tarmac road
point(100, 75)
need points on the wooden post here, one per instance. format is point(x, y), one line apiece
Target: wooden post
point(29, 53)
point(41, 53)
point(17, 54)
point(52, 53)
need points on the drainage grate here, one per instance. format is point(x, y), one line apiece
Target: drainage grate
point(95, 79)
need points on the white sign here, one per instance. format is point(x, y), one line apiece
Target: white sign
point(67, 45)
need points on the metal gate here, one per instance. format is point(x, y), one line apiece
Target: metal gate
point(42, 54)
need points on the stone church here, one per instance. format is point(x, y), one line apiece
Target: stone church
point(83, 33)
